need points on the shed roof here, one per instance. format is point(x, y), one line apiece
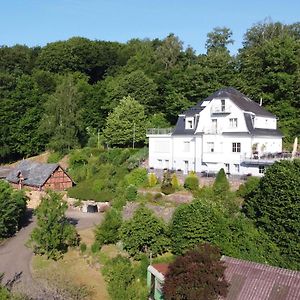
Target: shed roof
point(249, 280)
point(35, 174)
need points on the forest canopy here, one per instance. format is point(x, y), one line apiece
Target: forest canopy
point(60, 96)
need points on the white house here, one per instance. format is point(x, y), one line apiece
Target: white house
point(226, 130)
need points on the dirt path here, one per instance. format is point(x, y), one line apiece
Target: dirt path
point(15, 257)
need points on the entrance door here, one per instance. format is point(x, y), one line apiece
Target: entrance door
point(186, 166)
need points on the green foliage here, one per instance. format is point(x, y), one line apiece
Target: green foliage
point(126, 124)
point(83, 247)
point(53, 234)
point(221, 184)
point(274, 206)
point(123, 279)
point(175, 182)
point(62, 122)
point(54, 157)
point(166, 185)
point(12, 209)
point(131, 192)
point(144, 233)
point(191, 182)
point(204, 281)
point(248, 188)
point(137, 177)
point(108, 231)
point(203, 221)
point(152, 180)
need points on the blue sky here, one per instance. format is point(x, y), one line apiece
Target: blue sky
point(37, 22)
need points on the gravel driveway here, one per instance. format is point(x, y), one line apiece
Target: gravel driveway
point(15, 257)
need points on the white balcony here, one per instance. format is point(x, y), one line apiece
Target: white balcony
point(220, 109)
point(159, 131)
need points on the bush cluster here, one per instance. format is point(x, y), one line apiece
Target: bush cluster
point(191, 182)
point(12, 209)
point(144, 233)
point(124, 280)
point(152, 180)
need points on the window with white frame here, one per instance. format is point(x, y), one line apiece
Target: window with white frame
point(210, 147)
point(261, 169)
point(189, 123)
point(236, 147)
point(223, 105)
point(186, 146)
point(233, 122)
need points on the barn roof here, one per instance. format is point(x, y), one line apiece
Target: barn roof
point(35, 174)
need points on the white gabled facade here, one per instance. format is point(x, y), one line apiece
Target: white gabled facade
point(226, 130)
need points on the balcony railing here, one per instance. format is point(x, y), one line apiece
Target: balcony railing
point(220, 109)
point(160, 130)
point(268, 158)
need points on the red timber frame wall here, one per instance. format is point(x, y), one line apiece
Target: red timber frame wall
point(58, 181)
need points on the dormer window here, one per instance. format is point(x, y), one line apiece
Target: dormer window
point(222, 105)
point(189, 123)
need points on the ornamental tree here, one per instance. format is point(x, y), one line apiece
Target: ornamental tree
point(196, 275)
point(53, 234)
point(275, 207)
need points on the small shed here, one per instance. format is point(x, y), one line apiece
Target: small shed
point(39, 176)
point(247, 280)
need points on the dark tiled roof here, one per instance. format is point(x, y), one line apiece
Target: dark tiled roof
point(180, 127)
point(259, 131)
point(256, 281)
point(35, 174)
point(239, 99)
point(4, 171)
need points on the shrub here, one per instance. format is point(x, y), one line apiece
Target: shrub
point(157, 196)
point(108, 231)
point(95, 248)
point(83, 247)
point(191, 182)
point(248, 188)
point(221, 183)
point(131, 193)
point(195, 223)
point(152, 180)
point(166, 185)
point(205, 280)
point(123, 280)
point(137, 177)
point(175, 182)
point(54, 157)
point(12, 209)
point(274, 206)
point(144, 233)
point(53, 234)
